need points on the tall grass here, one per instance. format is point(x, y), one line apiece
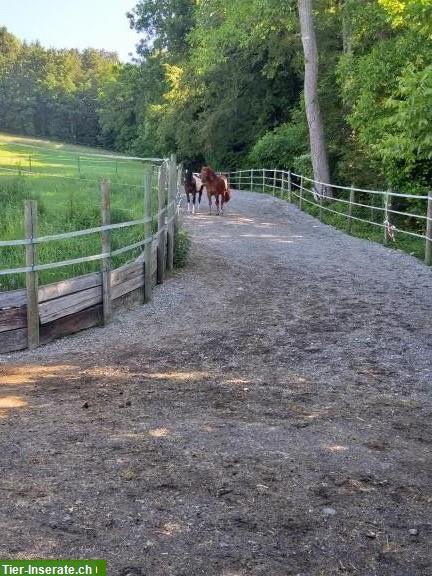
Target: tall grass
point(67, 192)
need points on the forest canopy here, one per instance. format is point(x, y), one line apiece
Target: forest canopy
point(221, 82)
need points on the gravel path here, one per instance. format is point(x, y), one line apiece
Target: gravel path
point(269, 413)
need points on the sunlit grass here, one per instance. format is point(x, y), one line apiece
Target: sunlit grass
point(66, 186)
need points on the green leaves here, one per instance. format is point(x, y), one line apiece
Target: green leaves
point(52, 93)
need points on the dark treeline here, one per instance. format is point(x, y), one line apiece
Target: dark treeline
point(222, 82)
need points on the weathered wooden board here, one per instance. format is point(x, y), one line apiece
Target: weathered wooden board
point(65, 287)
point(128, 286)
point(13, 318)
point(126, 272)
point(67, 305)
point(129, 300)
point(72, 305)
point(70, 324)
point(13, 299)
point(13, 340)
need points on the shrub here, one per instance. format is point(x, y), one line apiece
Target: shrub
point(181, 248)
point(279, 147)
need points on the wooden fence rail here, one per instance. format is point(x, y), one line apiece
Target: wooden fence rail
point(39, 314)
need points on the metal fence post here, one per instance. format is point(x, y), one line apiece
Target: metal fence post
point(263, 180)
point(251, 180)
point(106, 251)
point(32, 284)
point(274, 182)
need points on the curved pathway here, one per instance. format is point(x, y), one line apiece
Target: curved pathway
point(269, 413)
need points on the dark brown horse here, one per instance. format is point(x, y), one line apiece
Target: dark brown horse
point(193, 188)
point(216, 186)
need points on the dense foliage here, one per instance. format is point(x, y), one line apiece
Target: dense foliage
point(52, 93)
point(221, 82)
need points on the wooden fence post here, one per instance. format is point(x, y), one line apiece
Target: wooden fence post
point(32, 284)
point(178, 201)
point(387, 202)
point(372, 211)
point(172, 180)
point(289, 187)
point(161, 262)
point(428, 247)
point(301, 193)
point(350, 209)
point(148, 234)
point(106, 251)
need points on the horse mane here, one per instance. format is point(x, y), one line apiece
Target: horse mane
point(209, 172)
point(188, 176)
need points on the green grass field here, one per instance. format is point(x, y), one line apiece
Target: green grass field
point(65, 181)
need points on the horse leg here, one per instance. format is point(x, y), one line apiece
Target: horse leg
point(199, 197)
point(194, 202)
point(210, 203)
point(217, 205)
point(188, 201)
point(221, 203)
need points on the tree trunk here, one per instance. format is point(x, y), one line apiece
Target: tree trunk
point(313, 114)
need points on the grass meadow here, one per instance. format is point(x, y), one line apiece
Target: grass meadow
point(65, 181)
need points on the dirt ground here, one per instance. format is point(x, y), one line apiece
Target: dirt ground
point(268, 414)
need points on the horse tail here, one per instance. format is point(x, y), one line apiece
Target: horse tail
point(227, 192)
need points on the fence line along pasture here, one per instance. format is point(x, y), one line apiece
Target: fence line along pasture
point(40, 313)
point(289, 186)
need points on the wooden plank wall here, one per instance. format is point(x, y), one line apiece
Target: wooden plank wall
point(71, 305)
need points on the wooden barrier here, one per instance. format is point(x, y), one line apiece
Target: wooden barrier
point(40, 314)
point(76, 304)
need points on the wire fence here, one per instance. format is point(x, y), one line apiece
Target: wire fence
point(394, 213)
point(136, 215)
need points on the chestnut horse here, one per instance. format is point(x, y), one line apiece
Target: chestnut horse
point(216, 186)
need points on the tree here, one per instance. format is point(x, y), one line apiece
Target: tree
point(316, 130)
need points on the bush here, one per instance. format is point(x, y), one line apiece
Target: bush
point(182, 246)
point(280, 147)
point(303, 165)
